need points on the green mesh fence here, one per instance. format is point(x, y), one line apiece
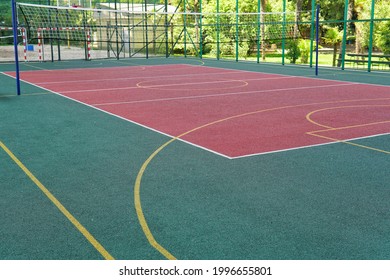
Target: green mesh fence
point(130, 28)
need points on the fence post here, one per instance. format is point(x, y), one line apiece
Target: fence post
point(317, 35)
point(166, 29)
point(200, 31)
point(284, 31)
point(237, 39)
point(371, 34)
point(146, 30)
point(345, 24)
point(185, 27)
point(313, 2)
point(258, 31)
point(218, 35)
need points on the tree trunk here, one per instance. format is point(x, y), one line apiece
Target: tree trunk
point(263, 4)
point(358, 41)
point(351, 12)
point(351, 15)
point(298, 9)
point(334, 54)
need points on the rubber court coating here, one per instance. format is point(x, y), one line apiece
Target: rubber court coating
point(321, 202)
point(251, 113)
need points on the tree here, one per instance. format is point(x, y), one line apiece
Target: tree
point(298, 9)
point(5, 15)
point(383, 38)
point(332, 9)
point(263, 7)
point(333, 36)
point(382, 31)
point(362, 29)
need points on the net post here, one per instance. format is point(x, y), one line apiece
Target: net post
point(317, 35)
point(15, 33)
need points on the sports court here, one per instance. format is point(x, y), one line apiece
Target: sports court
point(193, 159)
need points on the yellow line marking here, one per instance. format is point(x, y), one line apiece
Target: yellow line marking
point(349, 143)
point(58, 204)
point(348, 127)
point(308, 116)
point(136, 77)
point(329, 128)
point(161, 86)
point(138, 207)
point(137, 186)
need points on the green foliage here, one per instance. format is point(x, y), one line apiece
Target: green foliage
point(383, 38)
point(293, 51)
point(6, 14)
point(382, 11)
point(227, 29)
point(332, 9)
point(304, 47)
point(333, 36)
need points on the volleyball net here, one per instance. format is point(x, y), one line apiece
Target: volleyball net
point(66, 32)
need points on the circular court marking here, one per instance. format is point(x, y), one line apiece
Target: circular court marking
point(309, 116)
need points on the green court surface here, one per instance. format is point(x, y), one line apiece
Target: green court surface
point(69, 177)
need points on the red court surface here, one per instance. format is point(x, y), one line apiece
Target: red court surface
point(233, 113)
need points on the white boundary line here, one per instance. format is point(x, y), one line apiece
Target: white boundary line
point(143, 77)
point(309, 146)
point(204, 148)
point(307, 77)
point(362, 72)
point(217, 95)
point(122, 118)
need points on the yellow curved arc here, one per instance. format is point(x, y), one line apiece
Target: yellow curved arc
point(309, 118)
point(137, 185)
point(138, 207)
point(329, 128)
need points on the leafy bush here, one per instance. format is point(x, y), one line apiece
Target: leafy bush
point(293, 51)
point(304, 47)
point(383, 38)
